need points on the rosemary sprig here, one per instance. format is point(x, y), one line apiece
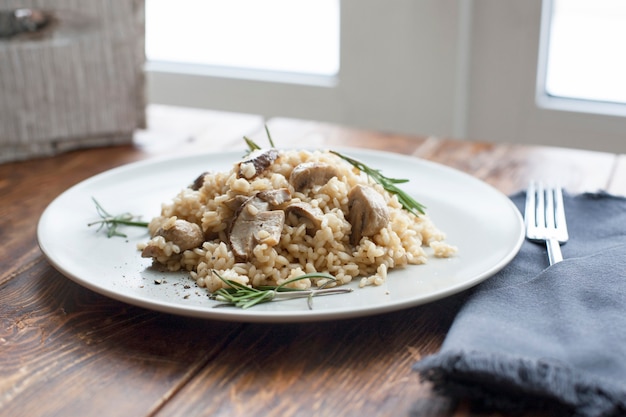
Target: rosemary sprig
point(269, 137)
point(389, 184)
point(252, 146)
point(242, 296)
point(112, 222)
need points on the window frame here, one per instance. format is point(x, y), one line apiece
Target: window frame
point(507, 101)
point(552, 102)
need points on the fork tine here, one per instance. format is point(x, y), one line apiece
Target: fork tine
point(550, 214)
point(559, 209)
point(540, 206)
point(531, 205)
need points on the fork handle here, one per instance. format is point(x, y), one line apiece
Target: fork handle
point(554, 251)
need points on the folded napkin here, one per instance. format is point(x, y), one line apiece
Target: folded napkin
point(536, 336)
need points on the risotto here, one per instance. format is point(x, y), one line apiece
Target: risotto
point(280, 214)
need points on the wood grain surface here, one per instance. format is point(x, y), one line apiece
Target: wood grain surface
point(66, 351)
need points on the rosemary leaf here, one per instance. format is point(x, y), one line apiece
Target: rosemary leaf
point(389, 184)
point(111, 223)
point(269, 137)
point(253, 146)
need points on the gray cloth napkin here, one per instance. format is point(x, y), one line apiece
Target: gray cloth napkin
point(548, 337)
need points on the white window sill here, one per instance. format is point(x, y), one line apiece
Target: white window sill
point(280, 77)
point(581, 106)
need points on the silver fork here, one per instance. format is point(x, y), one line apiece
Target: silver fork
point(545, 218)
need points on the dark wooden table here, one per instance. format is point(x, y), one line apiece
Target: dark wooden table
point(66, 351)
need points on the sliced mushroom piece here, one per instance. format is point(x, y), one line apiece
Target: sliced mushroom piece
point(254, 224)
point(235, 203)
point(151, 251)
point(309, 174)
point(198, 182)
point(258, 162)
point(275, 198)
point(269, 227)
point(312, 215)
point(367, 212)
point(184, 234)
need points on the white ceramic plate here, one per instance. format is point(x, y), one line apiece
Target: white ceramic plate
point(481, 221)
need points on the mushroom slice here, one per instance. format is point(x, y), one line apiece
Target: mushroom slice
point(236, 202)
point(312, 215)
point(257, 163)
point(198, 182)
point(275, 198)
point(184, 234)
point(308, 174)
point(253, 225)
point(367, 212)
point(269, 227)
point(151, 251)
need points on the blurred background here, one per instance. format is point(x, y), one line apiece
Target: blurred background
point(549, 72)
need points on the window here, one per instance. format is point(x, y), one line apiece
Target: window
point(290, 36)
point(584, 51)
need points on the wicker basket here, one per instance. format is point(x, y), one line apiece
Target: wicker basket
point(73, 80)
